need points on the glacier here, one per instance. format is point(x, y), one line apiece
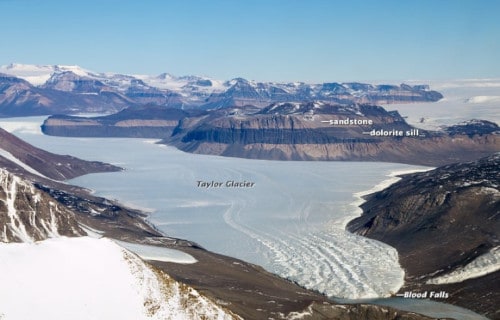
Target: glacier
point(291, 222)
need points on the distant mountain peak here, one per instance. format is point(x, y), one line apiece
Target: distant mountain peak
point(120, 91)
point(67, 80)
point(166, 76)
point(38, 74)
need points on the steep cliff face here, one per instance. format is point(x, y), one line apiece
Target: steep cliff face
point(317, 131)
point(429, 152)
point(287, 123)
point(292, 131)
point(240, 92)
point(28, 214)
point(443, 223)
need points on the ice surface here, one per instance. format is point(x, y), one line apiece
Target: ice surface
point(484, 99)
point(28, 125)
point(39, 74)
point(482, 265)
point(463, 100)
point(148, 252)
point(178, 83)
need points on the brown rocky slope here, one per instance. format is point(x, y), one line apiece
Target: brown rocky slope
point(440, 221)
point(61, 167)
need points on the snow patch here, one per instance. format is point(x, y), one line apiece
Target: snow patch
point(9, 184)
point(91, 232)
point(481, 266)
point(9, 156)
point(148, 252)
point(300, 315)
point(486, 190)
point(39, 74)
point(483, 99)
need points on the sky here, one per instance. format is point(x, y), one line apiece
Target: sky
point(264, 40)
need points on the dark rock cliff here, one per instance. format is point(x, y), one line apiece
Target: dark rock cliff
point(139, 122)
point(310, 131)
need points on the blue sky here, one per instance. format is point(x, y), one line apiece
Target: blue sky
point(270, 40)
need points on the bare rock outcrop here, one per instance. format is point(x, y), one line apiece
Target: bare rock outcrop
point(443, 222)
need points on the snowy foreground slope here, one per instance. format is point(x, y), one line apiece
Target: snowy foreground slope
point(88, 278)
point(50, 270)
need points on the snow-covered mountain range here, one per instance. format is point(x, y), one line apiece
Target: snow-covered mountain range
point(45, 85)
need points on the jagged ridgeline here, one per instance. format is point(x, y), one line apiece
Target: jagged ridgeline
point(43, 90)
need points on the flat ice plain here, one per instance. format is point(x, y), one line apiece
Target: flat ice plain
point(463, 100)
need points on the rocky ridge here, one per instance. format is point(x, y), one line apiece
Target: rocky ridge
point(29, 215)
point(20, 98)
point(314, 131)
point(14, 152)
point(441, 221)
